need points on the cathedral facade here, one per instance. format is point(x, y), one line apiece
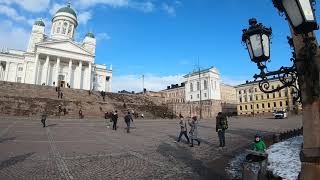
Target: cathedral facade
point(57, 60)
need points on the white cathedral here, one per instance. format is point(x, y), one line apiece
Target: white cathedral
point(57, 60)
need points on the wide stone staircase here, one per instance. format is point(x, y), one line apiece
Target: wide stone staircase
point(18, 99)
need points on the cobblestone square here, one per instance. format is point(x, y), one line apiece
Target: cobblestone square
point(88, 149)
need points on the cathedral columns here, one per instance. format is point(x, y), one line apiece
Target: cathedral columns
point(23, 80)
point(45, 71)
point(57, 71)
point(70, 72)
point(36, 69)
point(80, 74)
point(6, 72)
point(90, 70)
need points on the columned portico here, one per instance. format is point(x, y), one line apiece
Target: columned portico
point(57, 71)
point(24, 72)
point(36, 68)
point(6, 71)
point(70, 73)
point(80, 74)
point(90, 79)
point(45, 71)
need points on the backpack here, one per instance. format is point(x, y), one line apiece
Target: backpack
point(224, 122)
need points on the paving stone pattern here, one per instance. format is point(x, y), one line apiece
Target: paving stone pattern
point(80, 149)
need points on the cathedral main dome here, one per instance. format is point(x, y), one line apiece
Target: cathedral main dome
point(67, 9)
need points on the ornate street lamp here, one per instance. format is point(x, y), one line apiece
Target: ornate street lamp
point(257, 40)
point(300, 14)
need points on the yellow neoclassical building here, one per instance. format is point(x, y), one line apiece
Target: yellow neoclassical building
point(252, 101)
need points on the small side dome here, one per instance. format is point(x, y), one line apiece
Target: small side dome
point(90, 34)
point(67, 9)
point(39, 23)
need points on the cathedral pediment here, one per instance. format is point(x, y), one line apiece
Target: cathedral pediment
point(67, 46)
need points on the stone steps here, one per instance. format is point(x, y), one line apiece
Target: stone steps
point(32, 100)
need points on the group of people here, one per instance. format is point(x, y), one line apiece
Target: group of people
point(193, 130)
point(114, 119)
point(59, 91)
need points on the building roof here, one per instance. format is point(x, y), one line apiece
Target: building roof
point(196, 72)
point(90, 34)
point(255, 82)
point(67, 9)
point(39, 23)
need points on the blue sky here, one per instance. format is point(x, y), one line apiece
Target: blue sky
point(162, 39)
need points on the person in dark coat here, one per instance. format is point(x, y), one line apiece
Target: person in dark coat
point(128, 119)
point(61, 94)
point(221, 126)
point(43, 119)
point(80, 114)
point(183, 130)
point(194, 131)
point(114, 118)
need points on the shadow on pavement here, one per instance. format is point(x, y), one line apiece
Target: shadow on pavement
point(2, 140)
point(14, 160)
point(51, 125)
point(184, 155)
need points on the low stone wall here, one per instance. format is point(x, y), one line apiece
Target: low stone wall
point(210, 109)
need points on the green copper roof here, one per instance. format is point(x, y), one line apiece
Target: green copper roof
point(39, 23)
point(67, 9)
point(90, 34)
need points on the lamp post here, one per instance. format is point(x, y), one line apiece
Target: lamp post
point(300, 14)
point(305, 69)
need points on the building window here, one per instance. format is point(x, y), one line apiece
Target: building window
point(205, 84)
point(205, 94)
point(287, 103)
point(268, 96)
point(198, 86)
point(240, 108)
point(274, 95)
point(251, 106)
point(272, 87)
point(19, 79)
point(191, 87)
point(245, 99)
point(257, 106)
point(240, 99)
point(69, 29)
point(64, 27)
point(250, 97)
point(20, 69)
point(280, 103)
point(250, 91)
point(274, 104)
point(246, 107)
point(262, 96)
point(268, 105)
point(244, 91)
point(257, 97)
point(280, 94)
point(262, 106)
point(255, 90)
point(240, 92)
point(190, 96)
point(198, 96)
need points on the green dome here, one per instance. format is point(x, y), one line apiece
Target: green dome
point(39, 23)
point(90, 34)
point(67, 9)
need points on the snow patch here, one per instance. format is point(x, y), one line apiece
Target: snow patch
point(284, 160)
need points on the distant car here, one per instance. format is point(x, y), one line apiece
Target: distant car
point(280, 115)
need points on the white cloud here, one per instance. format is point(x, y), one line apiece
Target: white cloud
point(84, 17)
point(29, 5)
point(233, 80)
point(169, 9)
point(11, 13)
point(143, 6)
point(151, 82)
point(13, 37)
point(102, 36)
point(84, 4)
point(55, 7)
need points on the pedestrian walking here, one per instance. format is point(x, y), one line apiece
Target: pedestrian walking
point(114, 118)
point(80, 114)
point(61, 94)
point(128, 119)
point(221, 126)
point(194, 131)
point(64, 111)
point(183, 130)
point(43, 119)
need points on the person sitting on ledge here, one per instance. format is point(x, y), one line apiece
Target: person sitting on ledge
point(259, 144)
